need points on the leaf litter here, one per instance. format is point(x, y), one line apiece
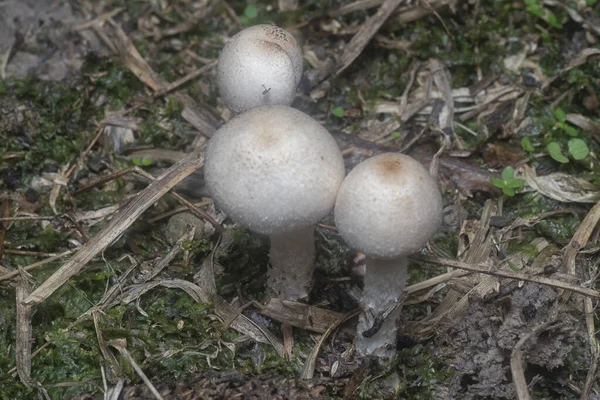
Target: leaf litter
point(513, 310)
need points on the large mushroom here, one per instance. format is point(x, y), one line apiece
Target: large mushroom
point(261, 65)
point(388, 207)
point(277, 171)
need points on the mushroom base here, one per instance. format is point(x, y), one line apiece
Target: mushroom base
point(292, 264)
point(384, 285)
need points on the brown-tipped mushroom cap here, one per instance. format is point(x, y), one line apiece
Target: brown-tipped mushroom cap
point(274, 169)
point(388, 206)
point(261, 65)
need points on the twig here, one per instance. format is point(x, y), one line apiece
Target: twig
point(182, 81)
point(14, 273)
point(482, 269)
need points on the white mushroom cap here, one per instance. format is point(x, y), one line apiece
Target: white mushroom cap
point(274, 169)
point(388, 206)
point(261, 65)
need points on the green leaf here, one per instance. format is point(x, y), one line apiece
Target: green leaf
point(395, 134)
point(560, 115)
point(499, 183)
point(251, 11)
point(338, 112)
point(515, 183)
point(552, 21)
point(526, 145)
point(508, 174)
point(513, 266)
point(556, 153)
point(570, 130)
point(142, 162)
point(578, 149)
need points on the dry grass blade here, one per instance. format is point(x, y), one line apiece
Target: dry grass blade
point(300, 315)
point(309, 366)
point(205, 280)
point(223, 310)
point(120, 344)
point(13, 274)
point(116, 39)
point(366, 32)
point(127, 216)
point(590, 380)
point(355, 6)
point(23, 350)
point(182, 81)
point(580, 239)
point(516, 361)
point(482, 269)
point(114, 368)
point(175, 250)
point(560, 186)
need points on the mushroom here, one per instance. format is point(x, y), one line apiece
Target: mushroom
point(261, 65)
point(276, 171)
point(388, 207)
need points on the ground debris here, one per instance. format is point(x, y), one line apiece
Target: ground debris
point(479, 345)
point(231, 385)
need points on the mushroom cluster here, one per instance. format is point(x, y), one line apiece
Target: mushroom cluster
point(277, 171)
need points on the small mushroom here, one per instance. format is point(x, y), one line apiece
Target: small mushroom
point(261, 65)
point(388, 207)
point(276, 171)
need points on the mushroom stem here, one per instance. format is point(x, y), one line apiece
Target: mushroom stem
point(384, 284)
point(292, 263)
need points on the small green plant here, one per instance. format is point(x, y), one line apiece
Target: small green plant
point(526, 145)
point(508, 183)
point(338, 112)
point(577, 148)
point(535, 8)
point(142, 162)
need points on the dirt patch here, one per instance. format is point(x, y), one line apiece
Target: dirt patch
point(36, 37)
point(480, 344)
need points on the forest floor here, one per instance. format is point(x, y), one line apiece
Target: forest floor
point(107, 291)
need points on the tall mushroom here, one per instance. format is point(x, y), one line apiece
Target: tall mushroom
point(277, 171)
point(388, 207)
point(261, 65)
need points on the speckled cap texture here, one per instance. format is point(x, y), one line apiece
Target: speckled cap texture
point(274, 169)
point(388, 205)
point(261, 65)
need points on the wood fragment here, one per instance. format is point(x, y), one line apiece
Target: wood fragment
point(300, 315)
point(365, 33)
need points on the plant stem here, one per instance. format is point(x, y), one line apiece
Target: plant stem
point(385, 281)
